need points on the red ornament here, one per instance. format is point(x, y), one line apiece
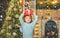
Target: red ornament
point(28, 12)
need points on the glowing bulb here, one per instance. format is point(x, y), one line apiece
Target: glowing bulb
point(55, 6)
point(20, 1)
point(54, 2)
point(41, 2)
point(47, 6)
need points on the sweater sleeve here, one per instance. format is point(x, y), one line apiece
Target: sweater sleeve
point(35, 18)
point(21, 18)
point(21, 30)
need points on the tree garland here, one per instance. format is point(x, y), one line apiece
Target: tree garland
point(48, 5)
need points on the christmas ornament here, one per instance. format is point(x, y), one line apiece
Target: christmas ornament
point(2, 31)
point(15, 9)
point(8, 18)
point(9, 8)
point(10, 21)
point(16, 16)
point(14, 33)
point(17, 25)
point(20, 10)
point(8, 33)
point(10, 27)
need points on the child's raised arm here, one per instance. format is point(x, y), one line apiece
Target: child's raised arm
point(21, 18)
point(21, 29)
point(35, 18)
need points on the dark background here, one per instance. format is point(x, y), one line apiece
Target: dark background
point(3, 10)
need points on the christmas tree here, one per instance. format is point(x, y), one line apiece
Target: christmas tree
point(10, 28)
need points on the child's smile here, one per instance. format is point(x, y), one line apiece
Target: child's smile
point(27, 19)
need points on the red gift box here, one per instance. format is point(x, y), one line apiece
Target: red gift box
point(28, 12)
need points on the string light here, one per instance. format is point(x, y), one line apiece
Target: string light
point(41, 2)
point(47, 6)
point(54, 2)
point(55, 6)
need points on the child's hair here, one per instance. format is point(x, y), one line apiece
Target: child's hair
point(29, 16)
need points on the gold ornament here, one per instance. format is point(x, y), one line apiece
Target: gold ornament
point(20, 10)
point(17, 25)
point(8, 18)
point(9, 8)
point(10, 27)
point(14, 33)
point(15, 9)
point(8, 33)
point(16, 16)
point(2, 31)
point(3, 25)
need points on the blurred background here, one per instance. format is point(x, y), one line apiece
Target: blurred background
point(10, 11)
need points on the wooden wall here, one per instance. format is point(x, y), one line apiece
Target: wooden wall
point(39, 31)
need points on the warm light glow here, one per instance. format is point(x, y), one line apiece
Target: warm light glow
point(54, 2)
point(20, 1)
point(47, 6)
point(41, 2)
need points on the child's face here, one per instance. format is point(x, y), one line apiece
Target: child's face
point(27, 19)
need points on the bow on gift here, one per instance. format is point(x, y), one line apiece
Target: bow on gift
point(28, 12)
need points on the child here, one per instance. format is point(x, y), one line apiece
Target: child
point(27, 25)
